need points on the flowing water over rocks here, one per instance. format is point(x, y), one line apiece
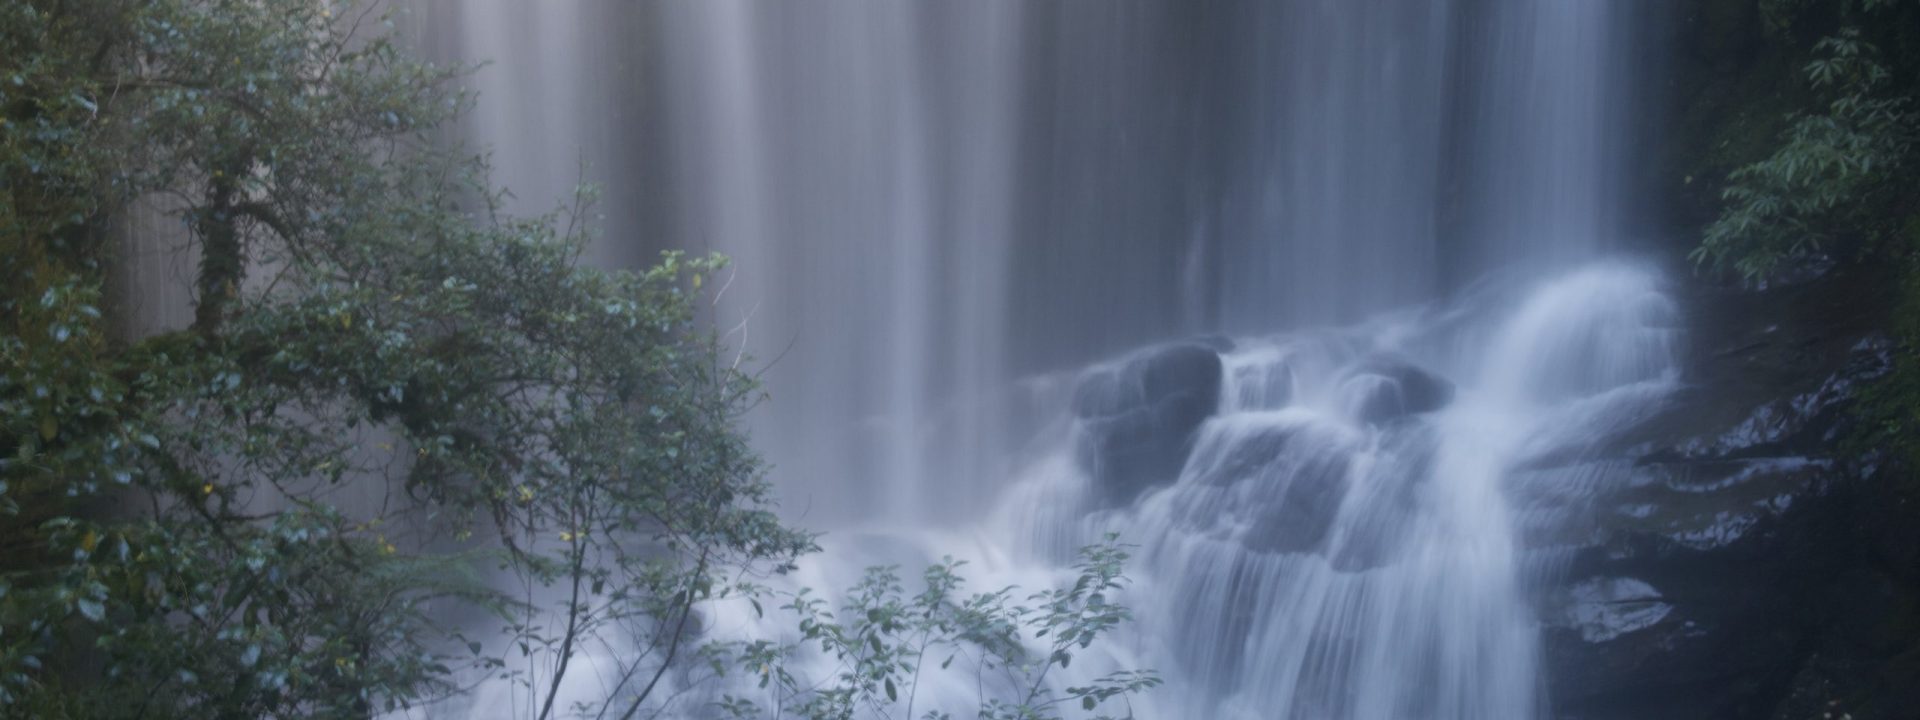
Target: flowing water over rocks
point(1347, 534)
point(1431, 448)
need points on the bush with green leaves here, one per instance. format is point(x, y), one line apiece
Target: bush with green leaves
point(1840, 183)
point(364, 318)
point(1838, 175)
point(882, 642)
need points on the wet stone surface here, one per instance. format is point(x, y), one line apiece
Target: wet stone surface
point(1138, 417)
point(1710, 569)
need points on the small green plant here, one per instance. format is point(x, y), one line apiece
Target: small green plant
point(883, 642)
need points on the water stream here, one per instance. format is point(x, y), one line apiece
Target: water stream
point(1397, 223)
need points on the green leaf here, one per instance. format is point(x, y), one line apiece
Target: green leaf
point(93, 609)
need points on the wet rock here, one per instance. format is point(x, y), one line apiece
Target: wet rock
point(1246, 456)
point(1728, 575)
point(1383, 389)
point(1603, 609)
point(1217, 343)
point(1655, 630)
point(1291, 486)
point(1375, 531)
point(1265, 385)
point(1708, 504)
point(1138, 418)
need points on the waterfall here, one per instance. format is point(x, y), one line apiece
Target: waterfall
point(951, 220)
point(1542, 146)
point(853, 158)
point(1319, 558)
point(1329, 210)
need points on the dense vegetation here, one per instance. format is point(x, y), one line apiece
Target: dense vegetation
point(1825, 147)
point(1796, 153)
point(398, 421)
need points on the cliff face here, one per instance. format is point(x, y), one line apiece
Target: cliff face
point(1753, 565)
point(1758, 563)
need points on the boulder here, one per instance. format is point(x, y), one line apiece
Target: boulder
point(1262, 385)
point(1382, 389)
point(1745, 567)
point(1301, 518)
point(1291, 483)
point(1138, 417)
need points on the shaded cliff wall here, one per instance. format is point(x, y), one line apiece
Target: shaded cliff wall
point(1780, 556)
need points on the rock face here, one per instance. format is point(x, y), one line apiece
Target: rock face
point(1384, 389)
point(1744, 568)
point(1138, 417)
point(1731, 562)
point(1293, 485)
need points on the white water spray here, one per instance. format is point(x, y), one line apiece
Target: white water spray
point(929, 201)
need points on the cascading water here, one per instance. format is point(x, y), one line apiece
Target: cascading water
point(1328, 208)
point(1328, 552)
point(934, 205)
point(871, 142)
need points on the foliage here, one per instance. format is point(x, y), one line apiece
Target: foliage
point(1889, 408)
point(1840, 183)
point(881, 642)
point(1834, 177)
point(179, 538)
